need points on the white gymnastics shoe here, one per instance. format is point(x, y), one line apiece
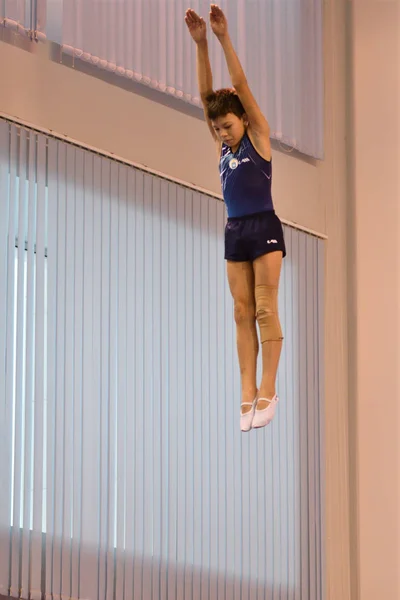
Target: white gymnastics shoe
point(246, 418)
point(264, 417)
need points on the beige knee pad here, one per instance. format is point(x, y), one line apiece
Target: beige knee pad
point(267, 313)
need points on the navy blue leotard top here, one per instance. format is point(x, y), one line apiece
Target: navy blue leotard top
point(246, 180)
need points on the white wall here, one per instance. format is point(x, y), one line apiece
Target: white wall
point(375, 298)
point(312, 194)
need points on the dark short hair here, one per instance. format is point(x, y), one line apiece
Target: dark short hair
point(222, 102)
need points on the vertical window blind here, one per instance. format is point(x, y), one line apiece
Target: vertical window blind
point(124, 473)
point(280, 45)
point(19, 15)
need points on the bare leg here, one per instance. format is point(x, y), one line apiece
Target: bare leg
point(267, 271)
point(241, 283)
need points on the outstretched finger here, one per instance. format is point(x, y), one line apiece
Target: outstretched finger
point(216, 10)
point(194, 17)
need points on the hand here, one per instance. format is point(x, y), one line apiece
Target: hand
point(218, 21)
point(196, 25)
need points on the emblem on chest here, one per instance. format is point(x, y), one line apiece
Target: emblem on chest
point(233, 163)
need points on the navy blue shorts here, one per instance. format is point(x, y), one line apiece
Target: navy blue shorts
point(251, 236)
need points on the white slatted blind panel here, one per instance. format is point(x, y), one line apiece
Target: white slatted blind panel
point(125, 474)
point(19, 15)
point(280, 45)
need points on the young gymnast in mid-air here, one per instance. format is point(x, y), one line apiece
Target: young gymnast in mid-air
point(254, 242)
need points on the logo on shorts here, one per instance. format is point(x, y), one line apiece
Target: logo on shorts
point(272, 241)
point(234, 163)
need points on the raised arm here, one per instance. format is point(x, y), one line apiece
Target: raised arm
point(219, 25)
point(198, 30)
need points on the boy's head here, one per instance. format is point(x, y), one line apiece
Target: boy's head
point(227, 116)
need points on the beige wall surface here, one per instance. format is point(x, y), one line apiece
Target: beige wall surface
point(43, 92)
point(375, 300)
point(333, 193)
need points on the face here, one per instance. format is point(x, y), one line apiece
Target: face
point(230, 129)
